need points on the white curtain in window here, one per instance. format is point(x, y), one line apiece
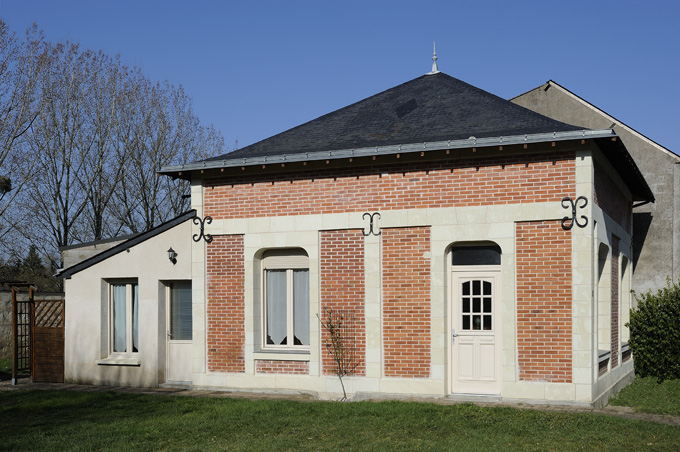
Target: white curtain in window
point(119, 329)
point(301, 306)
point(135, 318)
point(276, 307)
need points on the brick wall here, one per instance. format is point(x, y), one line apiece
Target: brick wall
point(342, 290)
point(544, 298)
point(266, 366)
point(610, 199)
point(615, 302)
point(513, 179)
point(406, 301)
point(226, 310)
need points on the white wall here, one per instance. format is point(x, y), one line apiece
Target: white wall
point(85, 353)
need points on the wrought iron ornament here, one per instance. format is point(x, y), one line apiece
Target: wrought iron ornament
point(371, 216)
point(568, 223)
point(202, 235)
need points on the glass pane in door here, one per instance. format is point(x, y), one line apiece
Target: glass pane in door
point(476, 305)
point(180, 311)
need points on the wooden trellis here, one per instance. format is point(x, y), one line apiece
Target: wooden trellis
point(37, 336)
point(48, 341)
point(22, 320)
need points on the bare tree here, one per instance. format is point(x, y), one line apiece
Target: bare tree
point(104, 173)
point(53, 197)
point(340, 343)
point(21, 66)
point(164, 132)
point(92, 134)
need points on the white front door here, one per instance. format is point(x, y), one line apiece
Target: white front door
point(179, 343)
point(475, 327)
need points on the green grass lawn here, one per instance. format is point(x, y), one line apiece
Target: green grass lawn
point(75, 421)
point(647, 396)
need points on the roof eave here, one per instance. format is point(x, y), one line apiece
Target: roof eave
point(184, 171)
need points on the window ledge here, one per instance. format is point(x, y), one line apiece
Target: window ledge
point(625, 346)
point(604, 355)
point(119, 361)
point(282, 355)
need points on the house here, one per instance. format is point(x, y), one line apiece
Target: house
point(656, 236)
point(474, 248)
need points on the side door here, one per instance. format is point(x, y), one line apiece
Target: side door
point(179, 333)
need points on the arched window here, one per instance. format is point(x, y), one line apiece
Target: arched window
point(286, 298)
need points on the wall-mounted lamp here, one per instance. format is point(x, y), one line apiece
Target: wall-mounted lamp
point(172, 256)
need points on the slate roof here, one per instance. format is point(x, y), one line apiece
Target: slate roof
point(429, 108)
point(431, 112)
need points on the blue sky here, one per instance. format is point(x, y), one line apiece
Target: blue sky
point(256, 68)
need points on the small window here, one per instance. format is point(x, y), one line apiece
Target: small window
point(286, 299)
point(124, 314)
point(180, 311)
point(476, 255)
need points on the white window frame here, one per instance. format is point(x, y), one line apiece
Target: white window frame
point(129, 296)
point(288, 260)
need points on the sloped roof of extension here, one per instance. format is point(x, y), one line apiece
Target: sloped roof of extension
point(131, 241)
point(432, 112)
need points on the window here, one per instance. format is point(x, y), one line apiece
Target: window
point(124, 314)
point(477, 300)
point(180, 311)
point(286, 299)
point(476, 255)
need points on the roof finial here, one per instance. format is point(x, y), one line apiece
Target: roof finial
point(435, 70)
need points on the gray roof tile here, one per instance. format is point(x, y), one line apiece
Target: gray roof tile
point(429, 108)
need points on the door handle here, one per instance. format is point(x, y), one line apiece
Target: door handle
point(453, 335)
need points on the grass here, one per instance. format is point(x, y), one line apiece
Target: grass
point(648, 396)
point(80, 421)
point(5, 369)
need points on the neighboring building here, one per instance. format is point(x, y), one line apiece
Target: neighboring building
point(656, 240)
point(431, 216)
point(73, 254)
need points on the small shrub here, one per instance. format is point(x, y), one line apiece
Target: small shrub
point(655, 333)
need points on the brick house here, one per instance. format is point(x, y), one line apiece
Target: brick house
point(472, 246)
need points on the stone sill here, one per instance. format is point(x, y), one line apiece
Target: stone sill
point(281, 355)
point(119, 361)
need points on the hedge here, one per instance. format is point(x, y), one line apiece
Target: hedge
point(655, 333)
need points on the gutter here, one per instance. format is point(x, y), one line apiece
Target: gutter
point(173, 170)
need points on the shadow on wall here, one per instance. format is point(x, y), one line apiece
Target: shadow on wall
point(641, 223)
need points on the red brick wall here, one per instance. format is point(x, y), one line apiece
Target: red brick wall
point(406, 301)
point(513, 179)
point(610, 199)
point(615, 302)
point(544, 297)
point(266, 366)
point(342, 290)
point(226, 310)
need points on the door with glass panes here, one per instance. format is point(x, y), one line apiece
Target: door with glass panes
point(475, 335)
point(179, 333)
